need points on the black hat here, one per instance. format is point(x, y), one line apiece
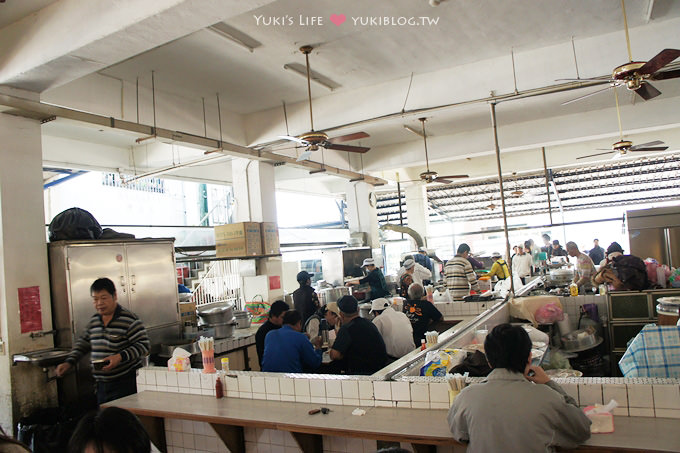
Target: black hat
point(348, 304)
point(614, 247)
point(303, 276)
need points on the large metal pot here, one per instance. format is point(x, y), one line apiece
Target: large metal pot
point(327, 295)
point(216, 313)
point(243, 319)
point(365, 311)
point(224, 330)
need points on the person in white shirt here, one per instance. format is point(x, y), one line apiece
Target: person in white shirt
point(419, 273)
point(394, 327)
point(521, 264)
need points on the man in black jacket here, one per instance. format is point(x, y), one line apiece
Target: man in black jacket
point(305, 299)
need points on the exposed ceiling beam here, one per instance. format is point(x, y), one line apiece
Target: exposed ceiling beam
point(40, 111)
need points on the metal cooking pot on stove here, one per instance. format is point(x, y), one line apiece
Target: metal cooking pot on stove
point(243, 319)
point(328, 295)
point(216, 313)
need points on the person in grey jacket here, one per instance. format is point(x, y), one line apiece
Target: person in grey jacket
point(518, 407)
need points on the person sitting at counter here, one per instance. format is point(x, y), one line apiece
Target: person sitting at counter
point(421, 312)
point(273, 322)
point(359, 343)
point(499, 268)
point(111, 430)
point(115, 336)
point(305, 299)
point(287, 350)
point(374, 278)
point(331, 313)
point(486, 415)
point(395, 328)
point(459, 275)
point(585, 269)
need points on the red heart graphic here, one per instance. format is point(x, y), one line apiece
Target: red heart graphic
point(338, 19)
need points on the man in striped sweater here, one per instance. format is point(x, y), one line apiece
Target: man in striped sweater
point(458, 274)
point(114, 336)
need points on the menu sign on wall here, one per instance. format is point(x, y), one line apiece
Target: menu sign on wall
point(30, 313)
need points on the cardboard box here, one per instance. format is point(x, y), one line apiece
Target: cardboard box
point(270, 238)
point(238, 239)
point(187, 313)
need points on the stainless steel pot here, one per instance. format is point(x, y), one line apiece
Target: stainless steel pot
point(328, 295)
point(364, 311)
point(216, 313)
point(243, 319)
point(224, 330)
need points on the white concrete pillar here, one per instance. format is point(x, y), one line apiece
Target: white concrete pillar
point(255, 201)
point(361, 213)
point(23, 264)
point(416, 209)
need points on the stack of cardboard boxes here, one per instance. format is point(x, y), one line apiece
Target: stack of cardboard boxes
point(246, 239)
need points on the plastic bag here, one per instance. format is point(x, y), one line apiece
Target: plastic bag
point(259, 310)
point(549, 314)
point(436, 364)
point(180, 360)
point(74, 223)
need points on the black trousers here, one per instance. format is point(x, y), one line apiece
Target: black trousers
point(118, 388)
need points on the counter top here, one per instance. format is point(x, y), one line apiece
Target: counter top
point(418, 426)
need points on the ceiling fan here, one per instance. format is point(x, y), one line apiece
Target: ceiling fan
point(635, 75)
point(313, 140)
point(622, 147)
point(431, 176)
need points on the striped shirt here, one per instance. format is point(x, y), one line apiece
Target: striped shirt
point(125, 335)
point(460, 277)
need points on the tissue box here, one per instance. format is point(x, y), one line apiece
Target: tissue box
point(179, 364)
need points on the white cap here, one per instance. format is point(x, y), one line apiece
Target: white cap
point(368, 262)
point(495, 255)
point(409, 263)
point(379, 304)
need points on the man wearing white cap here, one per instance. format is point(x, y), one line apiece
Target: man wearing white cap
point(499, 268)
point(394, 327)
point(374, 278)
point(419, 272)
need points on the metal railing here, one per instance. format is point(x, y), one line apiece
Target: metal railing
point(221, 283)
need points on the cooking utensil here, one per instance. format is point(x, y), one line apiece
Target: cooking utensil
point(216, 312)
point(243, 319)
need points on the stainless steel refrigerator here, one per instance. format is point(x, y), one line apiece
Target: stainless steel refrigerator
point(655, 233)
point(144, 273)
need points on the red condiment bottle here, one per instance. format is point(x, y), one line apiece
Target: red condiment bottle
point(219, 390)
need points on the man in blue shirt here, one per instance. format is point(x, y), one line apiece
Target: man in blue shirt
point(286, 350)
point(424, 260)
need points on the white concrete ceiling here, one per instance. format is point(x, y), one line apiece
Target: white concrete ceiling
point(461, 59)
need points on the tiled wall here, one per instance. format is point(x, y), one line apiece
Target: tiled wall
point(451, 309)
point(572, 306)
point(646, 397)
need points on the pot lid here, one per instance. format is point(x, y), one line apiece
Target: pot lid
point(214, 308)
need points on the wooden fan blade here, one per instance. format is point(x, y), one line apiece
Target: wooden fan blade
point(659, 61)
point(453, 177)
point(349, 137)
point(349, 148)
point(587, 95)
point(666, 75)
point(293, 139)
point(659, 148)
point(443, 181)
point(654, 143)
point(592, 155)
point(647, 91)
